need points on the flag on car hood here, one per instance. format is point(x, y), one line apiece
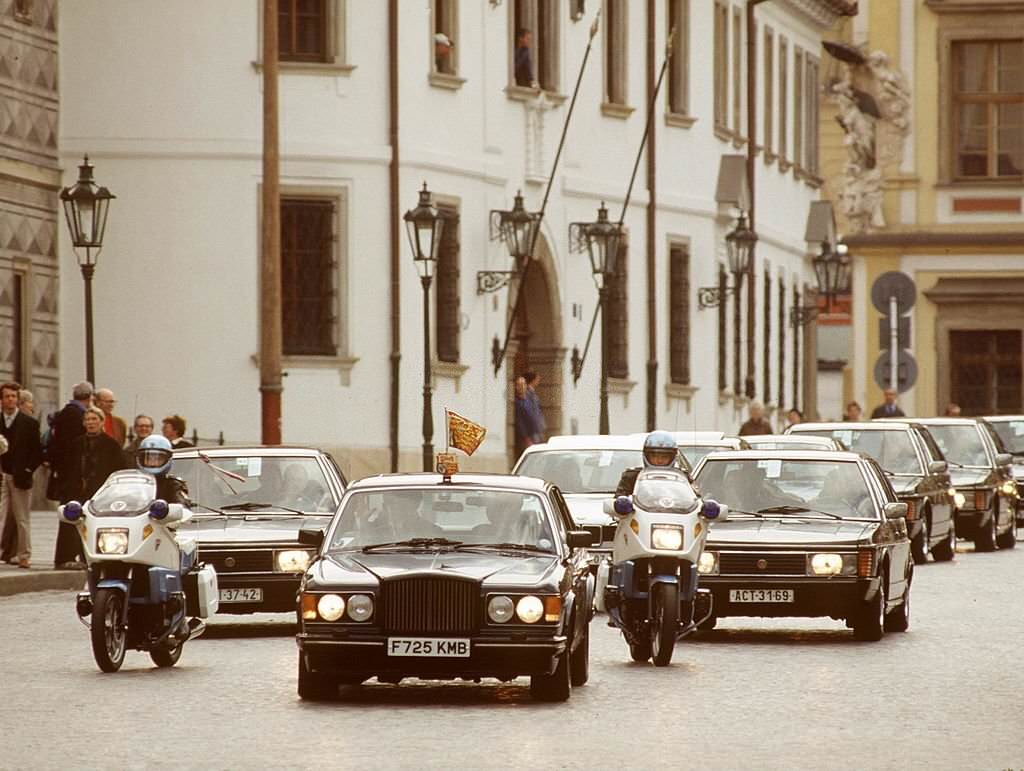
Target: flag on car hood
point(463, 433)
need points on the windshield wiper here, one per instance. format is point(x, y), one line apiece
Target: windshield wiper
point(414, 542)
point(748, 513)
point(255, 506)
point(504, 547)
point(791, 509)
point(214, 509)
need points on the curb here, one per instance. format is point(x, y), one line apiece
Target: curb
point(41, 581)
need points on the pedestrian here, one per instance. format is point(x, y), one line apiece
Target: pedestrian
point(756, 424)
point(174, 429)
point(113, 426)
point(443, 54)
point(524, 59)
point(888, 408)
point(952, 410)
point(532, 381)
point(794, 417)
point(18, 464)
point(95, 454)
point(142, 427)
point(9, 534)
point(525, 417)
point(66, 428)
point(853, 413)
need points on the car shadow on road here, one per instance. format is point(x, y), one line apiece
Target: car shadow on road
point(230, 631)
point(774, 637)
point(420, 693)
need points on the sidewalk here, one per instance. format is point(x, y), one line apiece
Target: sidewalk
point(41, 576)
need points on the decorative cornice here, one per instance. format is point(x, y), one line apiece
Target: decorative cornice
point(823, 13)
point(974, 6)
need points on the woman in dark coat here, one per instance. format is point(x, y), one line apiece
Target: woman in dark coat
point(96, 455)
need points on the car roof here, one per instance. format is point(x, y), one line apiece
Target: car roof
point(1003, 418)
point(941, 421)
point(591, 442)
point(695, 437)
point(823, 455)
point(459, 480)
point(281, 451)
point(787, 438)
point(864, 425)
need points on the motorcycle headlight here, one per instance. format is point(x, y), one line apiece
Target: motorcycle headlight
point(825, 564)
point(530, 609)
point(292, 561)
point(707, 564)
point(360, 607)
point(668, 537)
point(331, 607)
point(500, 609)
point(113, 540)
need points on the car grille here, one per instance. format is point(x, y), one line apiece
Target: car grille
point(239, 560)
point(429, 605)
point(750, 564)
point(603, 535)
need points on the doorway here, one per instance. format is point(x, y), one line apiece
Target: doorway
point(986, 370)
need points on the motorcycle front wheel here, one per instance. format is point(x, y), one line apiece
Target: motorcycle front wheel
point(665, 623)
point(109, 636)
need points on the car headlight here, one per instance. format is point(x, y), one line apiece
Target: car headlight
point(331, 607)
point(707, 564)
point(668, 537)
point(826, 564)
point(292, 561)
point(530, 609)
point(360, 607)
point(958, 497)
point(500, 609)
point(113, 540)
point(1008, 488)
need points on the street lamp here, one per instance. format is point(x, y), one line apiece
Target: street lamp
point(517, 227)
point(85, 207)
point(425, 227)
point(832, 271)
point(602, 240)
point(739, 246)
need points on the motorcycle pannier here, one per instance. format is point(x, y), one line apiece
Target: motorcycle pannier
point(201, 592)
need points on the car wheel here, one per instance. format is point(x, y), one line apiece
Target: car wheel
point(556, 686)
point(869, 624)
point(944, 552)
point(665, 623)
point(579, 661)
point(921, 545)
point(1008, 540)
point(985, 540)
point(315, 686)
point(898, 620)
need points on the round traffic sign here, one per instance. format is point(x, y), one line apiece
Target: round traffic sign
point(893, 283)
point(906, 371)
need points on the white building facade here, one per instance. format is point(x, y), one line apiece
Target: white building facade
point(166, 100)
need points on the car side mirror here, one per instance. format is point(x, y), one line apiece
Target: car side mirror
point(311, 536)
point(1004, 459)
point(938, 467)
point(579, 539)
point(895, 510)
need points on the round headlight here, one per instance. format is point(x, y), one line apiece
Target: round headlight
point(500, 609)
point(530, 609)
point(292, 561)
point(707, 563)
point(958, 497)
point(826, 564)
point(331, 607)
point(360, 607)
point(1009, 488)
point(667, 538)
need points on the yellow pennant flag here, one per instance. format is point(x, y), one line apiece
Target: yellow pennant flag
point(464, 434)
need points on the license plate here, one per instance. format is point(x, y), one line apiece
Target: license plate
point(762, 595)
point(428, 646)
point(248, 594)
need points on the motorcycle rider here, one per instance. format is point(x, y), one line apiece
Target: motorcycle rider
point(660, 451)
point(154, 457)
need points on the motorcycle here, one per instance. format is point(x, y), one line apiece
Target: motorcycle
point(652, 595)
point(145, 590)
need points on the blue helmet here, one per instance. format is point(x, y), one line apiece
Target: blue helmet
point(154, 455)
point(660, 449)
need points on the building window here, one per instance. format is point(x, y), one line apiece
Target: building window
point(737, 72)
point(796, 352)
point(679, 313)
point(811, 127)
point(782, 341)
point(12, 317)
point(721, 66)
point(769, 95)
point(783, 101)
point(616, 316)
point(798, 107)
point(302, 30)
point(678, 72)
point(988, 108)
point(448, 315)
point(444, 55)
point(767, 335)
point(722, 351)
point(308, 268)
point(535, 60)
point(616, 51)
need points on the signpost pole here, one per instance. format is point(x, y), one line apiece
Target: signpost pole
point(894, 347)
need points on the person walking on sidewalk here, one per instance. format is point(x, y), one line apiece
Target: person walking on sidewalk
point(18, 465)
point(757, 424)
point(64, 478)
point(9, 533)
point(95, 455)
point(113, 426)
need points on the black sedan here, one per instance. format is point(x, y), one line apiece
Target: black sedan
point(250, 503)
point(1010, 429)
point(809, 533)
point(982, 475)
point(447, 578)
point(915, 467)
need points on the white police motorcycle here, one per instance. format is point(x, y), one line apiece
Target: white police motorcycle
point(144, 589)
point(652, 594)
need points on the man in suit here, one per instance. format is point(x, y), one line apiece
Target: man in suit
point(889, 408)
point(18, 464)
point(65, 478)
point(113, 426)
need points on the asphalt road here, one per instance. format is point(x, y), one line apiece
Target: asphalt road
point(752, 694)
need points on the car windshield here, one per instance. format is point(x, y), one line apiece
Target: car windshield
point(230, 480)
point(961, 444)
point(456, 516)
point(676, 496)
point(695, 453)
point(580, 471)
point(894, 450)
point(124, 494)
point(1012, 434)
point(788, 487)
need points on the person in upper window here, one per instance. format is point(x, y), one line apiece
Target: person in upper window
point(524, 59)
point(443, 54)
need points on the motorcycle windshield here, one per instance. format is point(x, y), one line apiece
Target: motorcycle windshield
point(124, 494)
point(663, 495)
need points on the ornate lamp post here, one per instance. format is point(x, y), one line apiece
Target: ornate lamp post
point(832, 271)
point(85, 207)
point(425, 228)
point(601, 240)
point(739, 245)
point(518, 229)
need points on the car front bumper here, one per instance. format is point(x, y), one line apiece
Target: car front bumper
point(836, 597)
point(968, 521)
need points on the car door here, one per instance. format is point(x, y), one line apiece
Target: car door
point(936, 485)
point(577, 564)
point(896, 544)
point(1007, 504)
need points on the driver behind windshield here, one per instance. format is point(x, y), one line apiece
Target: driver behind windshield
point(840, 494)
point(399, 519)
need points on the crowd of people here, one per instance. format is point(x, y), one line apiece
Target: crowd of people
point(80, 446)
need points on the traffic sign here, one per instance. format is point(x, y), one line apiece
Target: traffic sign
point(893, 284)
point(906, 371)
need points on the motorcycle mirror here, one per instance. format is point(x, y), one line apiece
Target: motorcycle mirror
point(71, 511)
point(712, 509)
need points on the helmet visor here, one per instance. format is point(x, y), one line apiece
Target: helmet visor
point(658, 456)
point(152, 457)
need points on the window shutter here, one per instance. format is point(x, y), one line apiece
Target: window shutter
point(307, 277)
point(448, 301)
point(617, 318)
point(679, 314)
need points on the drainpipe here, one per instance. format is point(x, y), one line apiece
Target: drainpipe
point(652, 209)
point(749, 387)
point(395, 216)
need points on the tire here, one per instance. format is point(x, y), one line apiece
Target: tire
point(985, 540)
point(898, 620)
point(869, 625)
point(945, 551)
point(166, 657)
point(641, 651)
point(579, 661)
point(921, 546)
point(665, 623)
point(315, 686)
point(109, 637)
point(1008, 540)
point(556, 686)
